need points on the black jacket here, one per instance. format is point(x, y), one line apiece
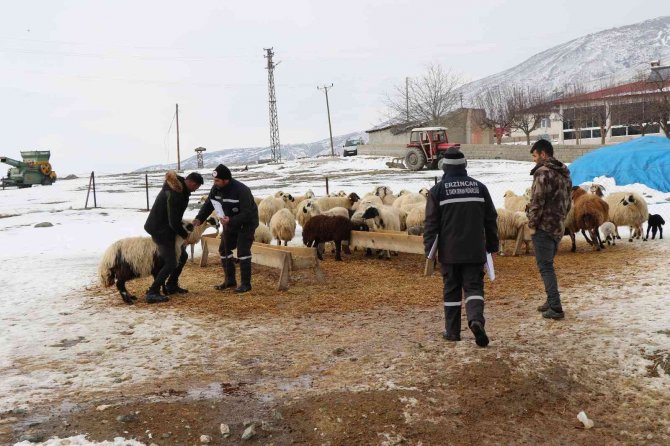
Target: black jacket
point(164, 220)
point(237, 203)
point(460, 211)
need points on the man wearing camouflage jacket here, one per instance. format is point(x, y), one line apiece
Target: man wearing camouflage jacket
point(549, 204)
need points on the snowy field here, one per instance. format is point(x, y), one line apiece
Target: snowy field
point(70, 347)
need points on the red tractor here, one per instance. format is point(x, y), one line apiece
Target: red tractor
point(426, 147)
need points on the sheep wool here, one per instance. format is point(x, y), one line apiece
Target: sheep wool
point(282, 226)
point(262, 234)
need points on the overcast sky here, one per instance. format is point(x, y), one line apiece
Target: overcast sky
point(97, 82)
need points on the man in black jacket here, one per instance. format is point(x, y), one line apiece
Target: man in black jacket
point(461, 219)
point(164, 225)
point(239, 225)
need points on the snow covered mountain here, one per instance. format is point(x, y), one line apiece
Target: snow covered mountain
point(253, 154)
point(595, 60)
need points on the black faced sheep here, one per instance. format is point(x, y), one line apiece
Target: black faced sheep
point(655, 223)
point(135, 257)
point(324, 228)
point(628, 209)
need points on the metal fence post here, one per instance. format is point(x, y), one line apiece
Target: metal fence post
point(326, 186)
point(146, 186)
point(95, 202)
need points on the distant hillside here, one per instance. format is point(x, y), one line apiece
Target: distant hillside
point(253, 154)
point(613, 55)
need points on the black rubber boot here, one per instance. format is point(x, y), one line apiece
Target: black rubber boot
point(245, 276)
point(174, 289)
point(155, 297)
point(229, 272)
point(480, 335)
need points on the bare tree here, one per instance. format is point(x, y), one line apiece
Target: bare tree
point(528, 107)
point(574, 116)
point(498, 105)
point(659, 82)
point(426, 99)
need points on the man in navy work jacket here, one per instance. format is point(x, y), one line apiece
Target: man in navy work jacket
point(239, 225)
point(460, 215)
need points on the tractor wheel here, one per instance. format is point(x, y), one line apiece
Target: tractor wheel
point(415, 159)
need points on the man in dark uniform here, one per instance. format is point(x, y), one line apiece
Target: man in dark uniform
point(239, 225)
point(164, 225)
point(461, 218)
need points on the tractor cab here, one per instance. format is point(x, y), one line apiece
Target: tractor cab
point(426, 147)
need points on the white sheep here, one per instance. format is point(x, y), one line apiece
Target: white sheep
point(608, 232)
point(511, 226)
point(306, 210)
point(300, 198)
point(135, 257)
point(514, 202)
point(409, 199)
point(424, 191)
point(348, 202)
point(282, 226)
point(262, 234)
point(628, 209)
point(416, 217)
point(333, 212)
point(386, 194)
point(268, 207)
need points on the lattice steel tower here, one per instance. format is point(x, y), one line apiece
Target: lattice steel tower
point(199, 158)
point(274, 123)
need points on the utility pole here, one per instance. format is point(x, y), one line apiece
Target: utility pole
point(330, 129)
point(275, 148)
point(407, 98)
point(178, 156)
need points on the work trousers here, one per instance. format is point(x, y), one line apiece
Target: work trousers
point(168, 258)
point(467, 280)
point(546, 246)
point(241, 241)
point(173, 280)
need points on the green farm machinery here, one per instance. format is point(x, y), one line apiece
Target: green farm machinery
point(34, 169)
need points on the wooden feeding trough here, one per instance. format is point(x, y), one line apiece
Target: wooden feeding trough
point(284, 258)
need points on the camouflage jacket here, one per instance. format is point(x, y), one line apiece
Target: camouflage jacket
point(550, 197)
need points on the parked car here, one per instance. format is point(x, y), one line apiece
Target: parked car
point(350, 147)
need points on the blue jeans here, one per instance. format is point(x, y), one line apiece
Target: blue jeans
point(546, 246)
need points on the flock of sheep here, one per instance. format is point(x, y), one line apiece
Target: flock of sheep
point(595, 215)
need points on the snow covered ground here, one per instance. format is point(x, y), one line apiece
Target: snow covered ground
point(53, 344)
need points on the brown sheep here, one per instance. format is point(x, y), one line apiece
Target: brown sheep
point(324, 228)
point(590, 211)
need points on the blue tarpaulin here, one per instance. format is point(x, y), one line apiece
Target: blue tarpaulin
point(644, 160)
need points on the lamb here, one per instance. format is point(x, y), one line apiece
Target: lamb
point(655, 223)
point(590, 213)
point(262, 234)
point(510, 226)
point(514, 202)
point(282, 226)
point(268, 207)
point(628, 209)
point(608, 232)
point(306, 210)
point(348, 202)
point(135, 257)
point(325, 228)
